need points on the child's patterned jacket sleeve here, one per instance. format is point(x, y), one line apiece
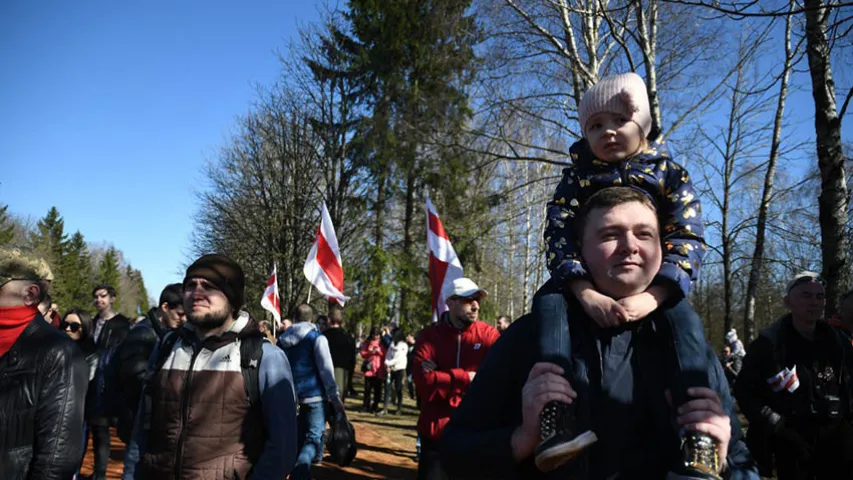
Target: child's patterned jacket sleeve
point(682, 234)
point(561, 248)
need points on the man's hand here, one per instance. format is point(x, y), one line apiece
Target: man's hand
point(605, 311)
point(544, 384)
point(638, 306)
point(338, 405)
point(705, 414)
point(428, 365)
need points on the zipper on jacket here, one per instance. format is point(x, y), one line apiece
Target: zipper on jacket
point(185, 414)
point(624, 173)
point(458, 347)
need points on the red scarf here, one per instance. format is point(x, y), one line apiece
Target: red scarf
point(13, 321)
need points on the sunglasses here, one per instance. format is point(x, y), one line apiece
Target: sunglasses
point(74, 327)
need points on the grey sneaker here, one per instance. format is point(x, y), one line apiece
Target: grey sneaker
point(559, 444)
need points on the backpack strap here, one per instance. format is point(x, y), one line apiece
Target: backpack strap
point(251, 353)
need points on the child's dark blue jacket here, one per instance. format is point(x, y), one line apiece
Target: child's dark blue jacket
point(655, 173)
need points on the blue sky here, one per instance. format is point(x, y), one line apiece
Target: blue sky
point(109, 110)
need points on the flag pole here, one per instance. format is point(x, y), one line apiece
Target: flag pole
point(275, 270)
point(308, 301)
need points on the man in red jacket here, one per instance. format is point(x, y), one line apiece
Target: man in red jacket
point(447, 355)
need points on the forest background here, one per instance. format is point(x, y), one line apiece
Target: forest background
point(379, 104)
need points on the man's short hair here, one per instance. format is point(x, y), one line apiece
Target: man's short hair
point(609, 197)
point(46, 299)
point(304, 313)
point(102, 286)
point(172, 296)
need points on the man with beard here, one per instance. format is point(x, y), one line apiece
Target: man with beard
point(111, 328)
point(43, 378)
point(447, 356)
point(126, 374)
point(220, 402)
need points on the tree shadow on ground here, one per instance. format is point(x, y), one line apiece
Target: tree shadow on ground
point(363, 468)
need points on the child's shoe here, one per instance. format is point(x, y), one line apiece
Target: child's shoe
point(699, 457)
point(559, 444)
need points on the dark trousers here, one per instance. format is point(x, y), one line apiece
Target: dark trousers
point(681, 323)
point(397, 382)
point(429, 462)
point(101, 444)
point(372, 390)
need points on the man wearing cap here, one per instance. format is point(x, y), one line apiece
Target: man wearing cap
point(795, 390)
point(43, 377)
point(447, 356)
point(197, 418)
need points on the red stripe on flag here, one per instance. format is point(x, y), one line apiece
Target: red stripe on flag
point(437, 271)
point(329, 262)
point(436, 227)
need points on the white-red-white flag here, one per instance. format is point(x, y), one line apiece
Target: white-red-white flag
point(323, 268)
point(786, 379)
point(271, 301)
point(444, 265)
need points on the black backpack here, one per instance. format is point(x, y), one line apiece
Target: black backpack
point(342, 449)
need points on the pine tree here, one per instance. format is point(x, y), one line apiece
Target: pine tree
point(78, 273)
point(51, 242)
point(7, 229)
point(144, 303)
point(109, 273)
point(419, 55)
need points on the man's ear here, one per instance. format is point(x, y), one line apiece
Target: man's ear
point(31, 294)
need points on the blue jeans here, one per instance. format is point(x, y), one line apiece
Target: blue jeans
point(310, 423)
point(682, 326)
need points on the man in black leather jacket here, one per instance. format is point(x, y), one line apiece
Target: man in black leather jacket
point(43, 377)
point(130, 361)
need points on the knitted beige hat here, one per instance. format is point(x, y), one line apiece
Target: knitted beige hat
point(624, 94)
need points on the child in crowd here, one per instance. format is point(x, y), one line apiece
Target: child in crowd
point(615, 120)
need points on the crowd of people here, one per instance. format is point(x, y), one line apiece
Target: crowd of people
point(609, 376)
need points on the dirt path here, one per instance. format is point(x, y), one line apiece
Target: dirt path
point(386, 447)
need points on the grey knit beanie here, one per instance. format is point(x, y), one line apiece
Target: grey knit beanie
point(624, 94)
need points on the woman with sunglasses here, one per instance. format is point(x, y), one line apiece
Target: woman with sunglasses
point(77, 324)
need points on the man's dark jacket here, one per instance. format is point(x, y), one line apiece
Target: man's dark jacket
point(783, 416)
point(112, 334)
point(43, 380)
point(341, 347)
point(128, 366)
point(476, 442)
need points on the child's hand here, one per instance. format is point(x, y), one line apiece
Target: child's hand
point(637, 307)
point(606, 312)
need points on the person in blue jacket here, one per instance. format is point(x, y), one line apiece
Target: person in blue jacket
point(615, 119)
point(623, 378)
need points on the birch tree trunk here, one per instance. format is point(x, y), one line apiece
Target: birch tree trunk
point(833, 189)
point(767, 192)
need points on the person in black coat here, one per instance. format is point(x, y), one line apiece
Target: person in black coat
point(342, 349)
point(110, 329)
point(130, 360)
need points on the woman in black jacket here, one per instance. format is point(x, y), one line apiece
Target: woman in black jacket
point(77, 324)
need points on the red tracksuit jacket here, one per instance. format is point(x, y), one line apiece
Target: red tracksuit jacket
point(456, 352)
